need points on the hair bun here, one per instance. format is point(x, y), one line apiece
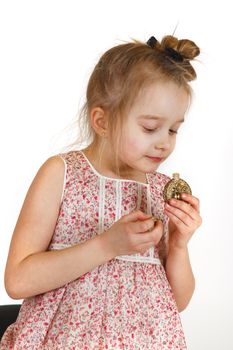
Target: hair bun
point(188, 49)
point(185, 47)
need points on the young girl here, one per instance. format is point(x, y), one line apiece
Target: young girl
point(94, 269)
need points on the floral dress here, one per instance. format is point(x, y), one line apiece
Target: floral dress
point(125, 303)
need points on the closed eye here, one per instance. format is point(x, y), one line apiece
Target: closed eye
point(173, 131)
point(148, 130)
point(152, 130)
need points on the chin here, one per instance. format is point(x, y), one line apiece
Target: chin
point(153, 169)
point(147, 169)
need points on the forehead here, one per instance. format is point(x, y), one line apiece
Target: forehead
point(162, 100)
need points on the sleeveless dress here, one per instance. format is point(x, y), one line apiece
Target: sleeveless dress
point(126, 303)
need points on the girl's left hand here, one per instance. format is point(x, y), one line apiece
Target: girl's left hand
point(184, 219)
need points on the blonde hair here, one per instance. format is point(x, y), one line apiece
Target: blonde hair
point(121, 75)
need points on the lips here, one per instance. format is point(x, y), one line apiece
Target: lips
point(155, 159)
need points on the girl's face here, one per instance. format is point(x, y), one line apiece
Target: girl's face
point(151, 126)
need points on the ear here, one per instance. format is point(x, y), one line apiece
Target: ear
point(99, 120)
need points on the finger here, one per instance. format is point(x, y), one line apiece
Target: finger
point(134, 216)
point(142, 226)
point(151, 237)
point(180, 215)
point(193, 201)
point(182, 225)
point(183, 206)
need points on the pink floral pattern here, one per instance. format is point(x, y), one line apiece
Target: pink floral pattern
point(118, 305)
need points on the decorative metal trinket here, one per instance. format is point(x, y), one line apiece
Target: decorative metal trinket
point(154, 218)
point(175, 187)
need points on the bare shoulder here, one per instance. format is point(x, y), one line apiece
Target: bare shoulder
point(47, 184)
point(38, 216)
point(53, 165)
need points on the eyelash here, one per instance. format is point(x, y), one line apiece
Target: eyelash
point(151, 130)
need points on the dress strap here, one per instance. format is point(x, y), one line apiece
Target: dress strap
point(65, 175)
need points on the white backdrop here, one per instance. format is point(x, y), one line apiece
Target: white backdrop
point(48, 50)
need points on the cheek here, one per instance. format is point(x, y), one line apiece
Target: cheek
point(173, 144)
point(132, 144)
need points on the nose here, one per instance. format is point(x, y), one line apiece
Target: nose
point(163, 143)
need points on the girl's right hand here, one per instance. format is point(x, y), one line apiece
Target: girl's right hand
point(134, 233)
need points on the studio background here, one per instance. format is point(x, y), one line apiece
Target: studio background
point(48, 51)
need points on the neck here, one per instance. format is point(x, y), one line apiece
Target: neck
point(102, 158)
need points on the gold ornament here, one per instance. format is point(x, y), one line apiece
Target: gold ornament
point(154, 218)
point(175, 187)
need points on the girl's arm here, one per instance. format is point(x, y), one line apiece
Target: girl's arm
point(184, 219)
point(30, 269)
point(44, 271)
point(180, 276)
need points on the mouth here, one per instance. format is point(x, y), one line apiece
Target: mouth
point(155, 159)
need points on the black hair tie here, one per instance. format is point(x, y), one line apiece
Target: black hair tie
point(152, 42)
point(175, 55)
point(169, 51)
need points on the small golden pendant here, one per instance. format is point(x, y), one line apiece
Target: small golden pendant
point(175, 187)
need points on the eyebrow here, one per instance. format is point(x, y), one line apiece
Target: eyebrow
point(156, 118)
